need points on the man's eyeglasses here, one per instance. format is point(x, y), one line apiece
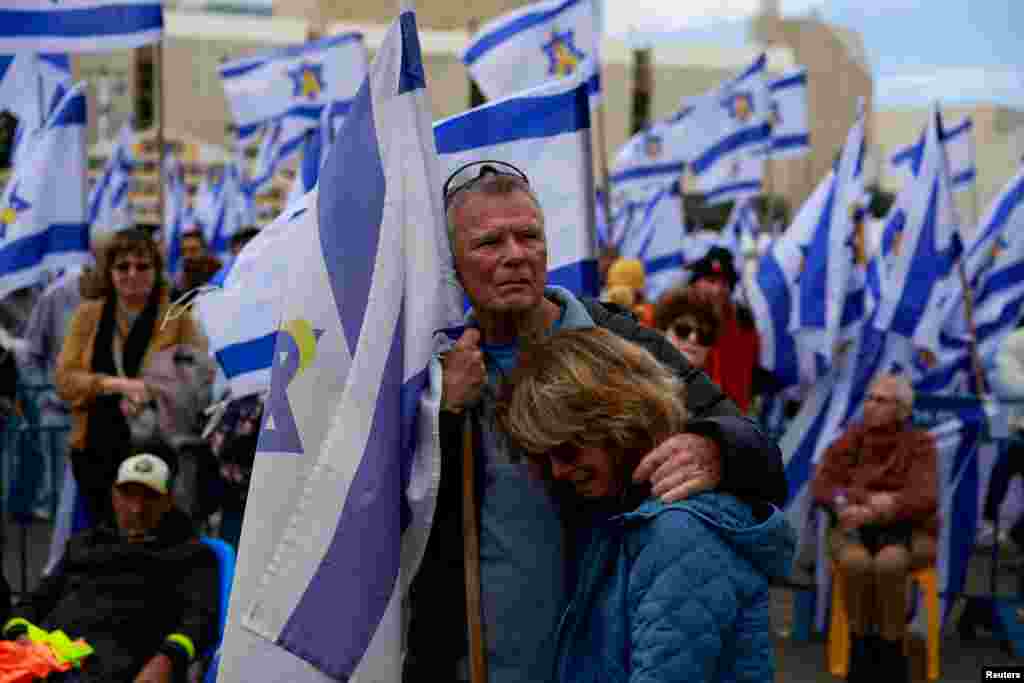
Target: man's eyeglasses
point(469, 174)
point(683, 331)
point(125, 266)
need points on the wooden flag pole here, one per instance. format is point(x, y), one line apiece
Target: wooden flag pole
point(602, 160)
point(471, 558)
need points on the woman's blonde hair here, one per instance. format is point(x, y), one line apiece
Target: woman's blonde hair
point(98, 283)
point(590, 387)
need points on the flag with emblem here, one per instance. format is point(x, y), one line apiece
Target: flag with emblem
point(658, 240)
point(645, 165)
point(545, 132)
point(732, 135)
point(341, 493)
point(959, 146)
point(292, 85)
point(109, 208)
point(79, 25)
point(42, 208)
point(923, 244)
point(529, 46)
point(31, 85)
point(791, 136)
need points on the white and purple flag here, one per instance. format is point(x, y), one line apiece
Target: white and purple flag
point(527, 47)
point(346, 470)
point(79, 25)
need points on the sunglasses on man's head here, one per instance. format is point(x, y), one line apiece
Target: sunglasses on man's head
point(683, 330)
point(469, 174)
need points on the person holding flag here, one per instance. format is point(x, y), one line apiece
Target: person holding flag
point(499, 244)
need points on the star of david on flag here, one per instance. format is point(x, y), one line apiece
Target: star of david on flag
point(563, 55)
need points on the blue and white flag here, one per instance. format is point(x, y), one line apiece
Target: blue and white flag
point(31, 85)
point(343, 486)
point(109, 207)
point(774, 296)
point(924, 245)
point(999, 224)
point(732, 132)
point(644, 166)
point(294, 82)
point(175, 206)
point(959, 144)
point(545, 132)
point(42, 209)
point(741, 229)
point(659, 241)
point(835, 251)
point(79, 25)
point(231, 210)
point(313, 151)
point(529, 46)
point(791, 136)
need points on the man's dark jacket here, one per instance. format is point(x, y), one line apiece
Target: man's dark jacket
point(751, 469)
point(125, 598)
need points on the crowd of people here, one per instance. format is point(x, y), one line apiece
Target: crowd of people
point(629, 506)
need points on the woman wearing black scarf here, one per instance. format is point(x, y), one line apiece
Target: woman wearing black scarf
point(118, 325)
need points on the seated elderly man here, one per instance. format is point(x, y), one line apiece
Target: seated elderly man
point(144, 595)
point(879, 480)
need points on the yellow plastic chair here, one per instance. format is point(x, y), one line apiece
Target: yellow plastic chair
point(839, 644)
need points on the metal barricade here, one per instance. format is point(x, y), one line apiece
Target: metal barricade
point(33, 448)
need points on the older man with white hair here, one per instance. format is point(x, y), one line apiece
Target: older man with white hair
point(879, 481)
point(499, 243)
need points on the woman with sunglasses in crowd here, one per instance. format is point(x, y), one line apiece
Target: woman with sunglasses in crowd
point(689, 319)
point(120, 323)
point(664, 591)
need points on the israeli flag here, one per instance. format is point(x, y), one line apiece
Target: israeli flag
point(959, 144)
point(791, 136)
point(175, 207)
point(774, 296)
point(836, 250)
point(43, 222)
point(294, 82)
point(741, 228)
point(527, 47)
point(545, 132)
point(733, 133)
point(1001, 222)
point(109, 208)
point(344, 482)
point(924, 245)
point(644, 166)
point(31, 85)
point(79, 25)
point(313, 148)
point(230, 210)
point(658, 240)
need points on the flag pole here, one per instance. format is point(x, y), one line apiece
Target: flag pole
point(471, 557)
point(602, 160)
point(979, 375)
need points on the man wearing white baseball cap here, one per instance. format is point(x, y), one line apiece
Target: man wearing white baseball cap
point(144, 593)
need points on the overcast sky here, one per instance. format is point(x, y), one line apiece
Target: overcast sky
point(919, 50)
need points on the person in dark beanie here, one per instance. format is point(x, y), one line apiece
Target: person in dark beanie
point(737, 350)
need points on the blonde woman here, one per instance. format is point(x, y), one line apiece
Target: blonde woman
point(672, 591)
